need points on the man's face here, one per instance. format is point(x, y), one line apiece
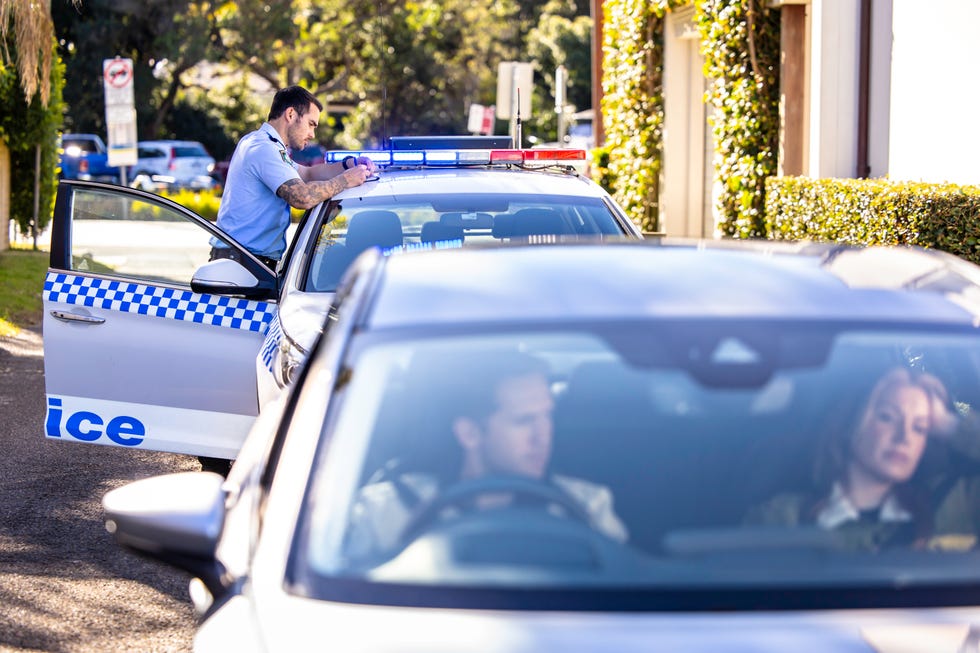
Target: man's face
point(516, 438)
point(302, 128)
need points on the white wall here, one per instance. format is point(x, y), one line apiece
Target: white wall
point(879, 103)
point(935, 106)
point(685, 201)
point(834, 90)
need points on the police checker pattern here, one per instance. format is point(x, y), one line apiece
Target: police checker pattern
point(168, 303)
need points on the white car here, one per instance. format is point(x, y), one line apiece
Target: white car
point(570, 448)
point(148, 345)
point(171, 165)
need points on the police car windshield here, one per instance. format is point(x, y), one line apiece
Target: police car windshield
point(449, 221)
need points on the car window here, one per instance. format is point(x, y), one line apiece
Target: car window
point(135, 238)
point(447, 221)
point(150, 153)
point(700, 454)
point(189, 150)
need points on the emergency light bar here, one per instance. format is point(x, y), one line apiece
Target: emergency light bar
point(458, 157)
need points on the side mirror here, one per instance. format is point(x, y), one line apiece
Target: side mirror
point(175, 518)
point(227, 277)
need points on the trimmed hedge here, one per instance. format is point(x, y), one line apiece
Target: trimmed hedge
point(875, 212)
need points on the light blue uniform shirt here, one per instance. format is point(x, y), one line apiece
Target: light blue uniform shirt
point(250, 211)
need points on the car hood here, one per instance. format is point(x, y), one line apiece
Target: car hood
point(294, 623)
point(301, 316)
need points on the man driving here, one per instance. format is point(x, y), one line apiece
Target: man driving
point(502, 426)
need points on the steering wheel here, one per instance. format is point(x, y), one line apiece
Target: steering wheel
point(461, 493)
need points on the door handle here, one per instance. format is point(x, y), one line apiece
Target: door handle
point(75, 317)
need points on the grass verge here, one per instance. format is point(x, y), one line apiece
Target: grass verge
point(21, 282)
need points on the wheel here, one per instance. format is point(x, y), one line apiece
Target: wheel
point(462, 494)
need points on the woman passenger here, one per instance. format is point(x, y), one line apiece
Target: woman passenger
point(867, 490)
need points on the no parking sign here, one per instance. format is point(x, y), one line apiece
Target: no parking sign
point(120, 113)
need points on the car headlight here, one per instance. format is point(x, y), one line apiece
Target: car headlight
point(289, 357)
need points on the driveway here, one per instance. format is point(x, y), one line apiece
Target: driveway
point(64, 584)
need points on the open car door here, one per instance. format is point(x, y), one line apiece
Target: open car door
point(147, 344)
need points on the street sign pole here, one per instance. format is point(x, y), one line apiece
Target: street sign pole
point(120, 113)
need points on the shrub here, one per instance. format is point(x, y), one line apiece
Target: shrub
point(875, 212)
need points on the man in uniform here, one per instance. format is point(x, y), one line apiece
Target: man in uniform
point(263, 181)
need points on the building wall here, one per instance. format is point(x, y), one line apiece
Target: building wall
point(687, 205)
point(834, 88)
point(934, 125)
point(879, 105)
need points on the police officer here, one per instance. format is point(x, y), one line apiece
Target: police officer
point(263, 181)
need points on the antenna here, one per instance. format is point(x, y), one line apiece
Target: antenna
point(384, 77)
point(517, 129)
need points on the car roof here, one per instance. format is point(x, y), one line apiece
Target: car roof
point(674, 279)
point(447, 181)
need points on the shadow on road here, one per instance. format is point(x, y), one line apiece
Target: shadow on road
point(64, 584)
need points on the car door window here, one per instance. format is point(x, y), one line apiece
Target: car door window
point(136, 238)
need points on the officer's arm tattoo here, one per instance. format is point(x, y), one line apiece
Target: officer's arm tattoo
point(305, 195)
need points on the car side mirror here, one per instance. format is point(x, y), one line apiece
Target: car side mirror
point(227, 277)
point(174, 518)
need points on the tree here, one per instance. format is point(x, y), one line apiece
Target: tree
point(164, 38)
point(425, 63)
point(33, 30)
point(560, 38)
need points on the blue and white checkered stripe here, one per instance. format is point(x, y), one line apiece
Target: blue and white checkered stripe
point(271, 343)
point(167, 303)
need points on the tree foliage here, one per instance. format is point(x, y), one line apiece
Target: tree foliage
point(31, 128)
point(381, 66)
point(31, 28)
point(560, 38)
point(632, 105)
point(740, 41)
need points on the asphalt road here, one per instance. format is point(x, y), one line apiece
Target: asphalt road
point(64, 584)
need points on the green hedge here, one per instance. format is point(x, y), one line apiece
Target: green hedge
point(632, 106)
point(740, 43)
point(875, 212)
point(202, 202)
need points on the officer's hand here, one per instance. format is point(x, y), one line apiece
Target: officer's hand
point(366, 161)
point(356, 175)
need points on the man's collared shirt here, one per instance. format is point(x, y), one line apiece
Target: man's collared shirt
point(250, 210)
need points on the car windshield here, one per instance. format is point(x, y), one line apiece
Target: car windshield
point(682, 455)
point(449, 220)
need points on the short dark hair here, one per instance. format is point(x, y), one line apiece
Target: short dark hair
point(296, 97)
point(477, 386)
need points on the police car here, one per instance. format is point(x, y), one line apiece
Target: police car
point(148, 345)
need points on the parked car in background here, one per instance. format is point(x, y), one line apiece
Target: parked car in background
point(85, 156)
point(171, 165)
point(646, 400)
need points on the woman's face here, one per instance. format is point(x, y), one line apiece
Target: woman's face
point(892, 436)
